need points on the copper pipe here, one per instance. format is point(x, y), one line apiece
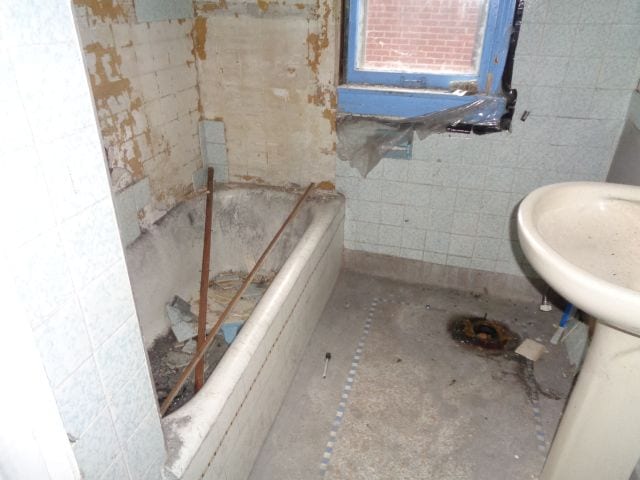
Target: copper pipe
point(204, 280)
point(247, 281)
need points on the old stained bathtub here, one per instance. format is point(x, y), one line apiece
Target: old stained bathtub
point(219, 432)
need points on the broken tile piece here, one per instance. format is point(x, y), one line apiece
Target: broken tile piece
point(178, 359)
point(530, 349)
point(184, 331)
point(181, 304)
point(177, 315)
point(190, 347)
point(253, 291)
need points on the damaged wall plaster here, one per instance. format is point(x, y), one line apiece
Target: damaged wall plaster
point(144, 83)
point(268, 69)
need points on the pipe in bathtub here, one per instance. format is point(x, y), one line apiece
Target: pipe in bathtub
point(247, 281)
point(204, 280)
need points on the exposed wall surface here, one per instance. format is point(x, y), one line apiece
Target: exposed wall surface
point(144, 84)
point(454, 202)
point(625, 167)
point(268, 70)
point(62, 251)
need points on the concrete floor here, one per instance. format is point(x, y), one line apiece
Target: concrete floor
point(419, 405)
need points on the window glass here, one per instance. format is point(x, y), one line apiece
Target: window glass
point(421, 36)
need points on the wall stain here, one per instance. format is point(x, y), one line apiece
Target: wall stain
point(252, 179)
point(263, 5)
point(326, 185)
point(103, 9)
point(208, 7)
point(102, 85)
point(199, 36)
point(117, 128)
point(325, 97)
point(318, 42)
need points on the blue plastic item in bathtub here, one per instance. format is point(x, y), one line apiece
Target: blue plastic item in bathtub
point(230, 330)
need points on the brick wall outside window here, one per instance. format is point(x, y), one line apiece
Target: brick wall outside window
point(423, 35)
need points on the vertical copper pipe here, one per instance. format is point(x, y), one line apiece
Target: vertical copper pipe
point(247, 281)
point(204, 280)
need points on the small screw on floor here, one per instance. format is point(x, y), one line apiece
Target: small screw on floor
point(327, 357)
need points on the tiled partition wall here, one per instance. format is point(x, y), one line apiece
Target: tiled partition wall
point(64, 252)
point(454, 202)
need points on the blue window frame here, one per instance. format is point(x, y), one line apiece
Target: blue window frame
point(403, 94)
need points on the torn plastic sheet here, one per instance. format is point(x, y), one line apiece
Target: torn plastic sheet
point(364, 141)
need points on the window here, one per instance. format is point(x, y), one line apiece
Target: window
point(413, 57)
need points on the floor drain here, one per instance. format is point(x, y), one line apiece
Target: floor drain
point(483, 333)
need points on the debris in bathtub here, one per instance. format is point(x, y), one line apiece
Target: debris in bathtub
point(178, 359)
point(227, 280)
point(171, 352)
point(254, 291)
point(190, 347)
point(168, 357)
point(230, 330)
point(182, 320)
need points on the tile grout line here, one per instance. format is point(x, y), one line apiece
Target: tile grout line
point(537, 416)
point(346, 389)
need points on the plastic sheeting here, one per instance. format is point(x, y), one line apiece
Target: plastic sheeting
point(364, 141)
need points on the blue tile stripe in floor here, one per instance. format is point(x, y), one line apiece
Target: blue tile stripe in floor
point(542, 442)
point(346, 389)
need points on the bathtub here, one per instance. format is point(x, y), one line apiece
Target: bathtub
point(219, 432)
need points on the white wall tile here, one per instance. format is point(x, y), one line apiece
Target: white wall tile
point(390, 235)
point(116, 471)
point(461, 245)
point(63, 342)
point(418, 217)
point(132, 403)
point(80, 399)
point(97, 448)
point(91, 242)
point(107, 303)
point(145, 449)
point(391, 214)
point(74, 170)
point(120, 357)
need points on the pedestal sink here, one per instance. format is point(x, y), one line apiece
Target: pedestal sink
point(583, 238)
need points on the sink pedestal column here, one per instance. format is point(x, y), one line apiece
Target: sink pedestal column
point(599, 434)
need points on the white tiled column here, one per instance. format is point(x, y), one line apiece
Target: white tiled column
point(62, 247)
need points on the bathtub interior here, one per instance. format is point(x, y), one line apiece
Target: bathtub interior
point(166, 260)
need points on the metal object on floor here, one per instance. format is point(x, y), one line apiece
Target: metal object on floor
point(327, 357)
point(204, 280)
point(247, 281)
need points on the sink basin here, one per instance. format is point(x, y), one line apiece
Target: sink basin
point(583, 238)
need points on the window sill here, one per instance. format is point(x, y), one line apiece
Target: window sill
point(406, 103)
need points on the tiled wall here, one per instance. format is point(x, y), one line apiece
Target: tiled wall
point(144, 84)
point(65, 254)
point(214, 149)
point(454, 202)
point(154, 10)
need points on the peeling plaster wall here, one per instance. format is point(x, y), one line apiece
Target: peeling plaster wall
point(144, 82)
point(268, 70)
